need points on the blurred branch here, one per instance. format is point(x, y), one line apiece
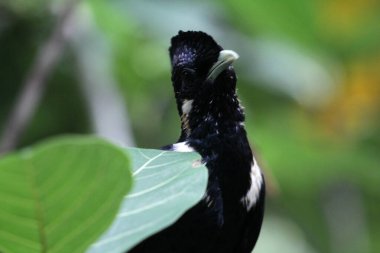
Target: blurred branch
point(106, 105)
point(35, 83)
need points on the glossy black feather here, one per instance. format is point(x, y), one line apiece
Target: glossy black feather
point(212, 125)
point(252, 225)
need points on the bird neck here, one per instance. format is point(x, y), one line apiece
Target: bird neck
point(216, 131)
point(211, 115)
point(213, 126)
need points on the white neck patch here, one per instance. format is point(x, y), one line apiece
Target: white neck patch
point(182, 147)
point(186, 106)
point(250, 199)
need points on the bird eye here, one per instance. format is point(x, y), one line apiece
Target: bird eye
point(188, 73)
point(187, 81)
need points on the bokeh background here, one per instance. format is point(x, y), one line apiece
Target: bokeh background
point(309, 78)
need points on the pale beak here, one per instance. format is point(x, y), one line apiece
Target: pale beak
point(225, 59)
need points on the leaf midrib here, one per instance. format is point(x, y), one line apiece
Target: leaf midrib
point(31, 172)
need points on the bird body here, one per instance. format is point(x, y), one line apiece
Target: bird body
point(228, 218)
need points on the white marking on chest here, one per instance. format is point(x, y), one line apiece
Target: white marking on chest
point(250, 199)
point(182, 147)
point(186, 106)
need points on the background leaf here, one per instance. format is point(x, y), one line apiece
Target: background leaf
point(59, 196)
point(166, 185)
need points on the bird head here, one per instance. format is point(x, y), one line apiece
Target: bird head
point(199, 64)
point(203, 78)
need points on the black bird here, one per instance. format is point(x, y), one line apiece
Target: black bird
point(228, 218)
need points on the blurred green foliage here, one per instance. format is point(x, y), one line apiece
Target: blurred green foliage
point(308, 76)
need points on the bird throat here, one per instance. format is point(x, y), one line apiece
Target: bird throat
point(186, 109)
point(185, 124)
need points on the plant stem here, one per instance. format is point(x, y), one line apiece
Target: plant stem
point(35, 83)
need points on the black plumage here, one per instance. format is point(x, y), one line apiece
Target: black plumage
point(228, 219)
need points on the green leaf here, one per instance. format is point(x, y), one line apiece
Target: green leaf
point(166, 185)
point(59, 196)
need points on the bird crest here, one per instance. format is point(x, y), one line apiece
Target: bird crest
point(191, 48)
